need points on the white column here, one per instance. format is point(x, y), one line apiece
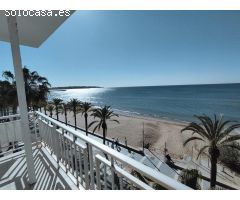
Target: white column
point(17, 62)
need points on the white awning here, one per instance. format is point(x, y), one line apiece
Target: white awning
point(32, 30)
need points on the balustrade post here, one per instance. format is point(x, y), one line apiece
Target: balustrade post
point(121, 182)
point(75, 158)
point(113, 173)
point(85, 153)
point(80, 165)
point(91, 166)
point(105, 177)
point(58, 149)
point(35, 127)
point(98, 174)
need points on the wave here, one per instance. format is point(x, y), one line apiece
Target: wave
point(126, 112)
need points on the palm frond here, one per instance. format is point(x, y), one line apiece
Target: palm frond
point(194, 127)
point(98, 126)
point(114, 120)
point(232, 145)
point(231, 139)
point(222, 125)
point(202, 150)
point(93, 122)
point(227, 131)
point(191, 139)
point(206, 123)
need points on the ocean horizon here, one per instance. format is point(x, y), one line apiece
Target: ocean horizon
point(170, 102)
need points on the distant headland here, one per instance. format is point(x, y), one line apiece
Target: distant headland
point(73, 87)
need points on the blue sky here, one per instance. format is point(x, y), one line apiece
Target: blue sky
point(136, 48)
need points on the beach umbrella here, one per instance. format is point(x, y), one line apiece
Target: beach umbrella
point(28, 28)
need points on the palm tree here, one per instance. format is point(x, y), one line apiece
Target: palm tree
point(44, 104)
point(65, 109)
point(8, 97)
point(191, 178)
point(74, 105)
point(34, 83)
point(85, 109)
point(50, 108)
point(230, 158)
point(36, 86)
point(215, 133)
point(57, 103)
point(103, 114)
point(8, 75)
point(8, 93)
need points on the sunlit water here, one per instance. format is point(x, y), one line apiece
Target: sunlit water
point(171, 102)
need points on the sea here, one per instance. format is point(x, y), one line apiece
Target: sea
point(177, 103)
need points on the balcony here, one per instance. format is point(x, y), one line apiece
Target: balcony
point(68, 159)
point(13, 173)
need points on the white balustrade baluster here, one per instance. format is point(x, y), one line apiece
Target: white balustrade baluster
point(121, 182)
point(98, 174)
point(85, 154)
point(53, 137)
point(91, 166)
point(105, 176)
point(67, 155)
point(58, 144)
point(131, 186)
point(113, 173)
point(75, 158)
point(61, 147)
point(72, 160)
point(80, 164)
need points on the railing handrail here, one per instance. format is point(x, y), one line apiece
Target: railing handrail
point(9, 116)
point(12, 116)
point(160, 178)
point(130, 177)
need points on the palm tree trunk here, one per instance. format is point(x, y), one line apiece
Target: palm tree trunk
point(14, 110)
point(86, 123)
point(104, 135)
point(75, 118)
point(65, 112)
point(57, 113)
point(213, 178)
point(4, 111)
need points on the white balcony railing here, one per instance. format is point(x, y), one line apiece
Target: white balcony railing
point(94, 165)
point(10, 133)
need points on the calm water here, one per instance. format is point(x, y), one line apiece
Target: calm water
point(171, 102)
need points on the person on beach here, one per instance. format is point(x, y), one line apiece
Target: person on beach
point(113, 143)
point(169, 161)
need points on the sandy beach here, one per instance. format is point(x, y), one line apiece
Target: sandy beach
point(157, 132)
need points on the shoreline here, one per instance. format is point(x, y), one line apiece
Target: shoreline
point(157, 119)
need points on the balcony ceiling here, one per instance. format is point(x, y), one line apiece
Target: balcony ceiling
point(32, 30)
